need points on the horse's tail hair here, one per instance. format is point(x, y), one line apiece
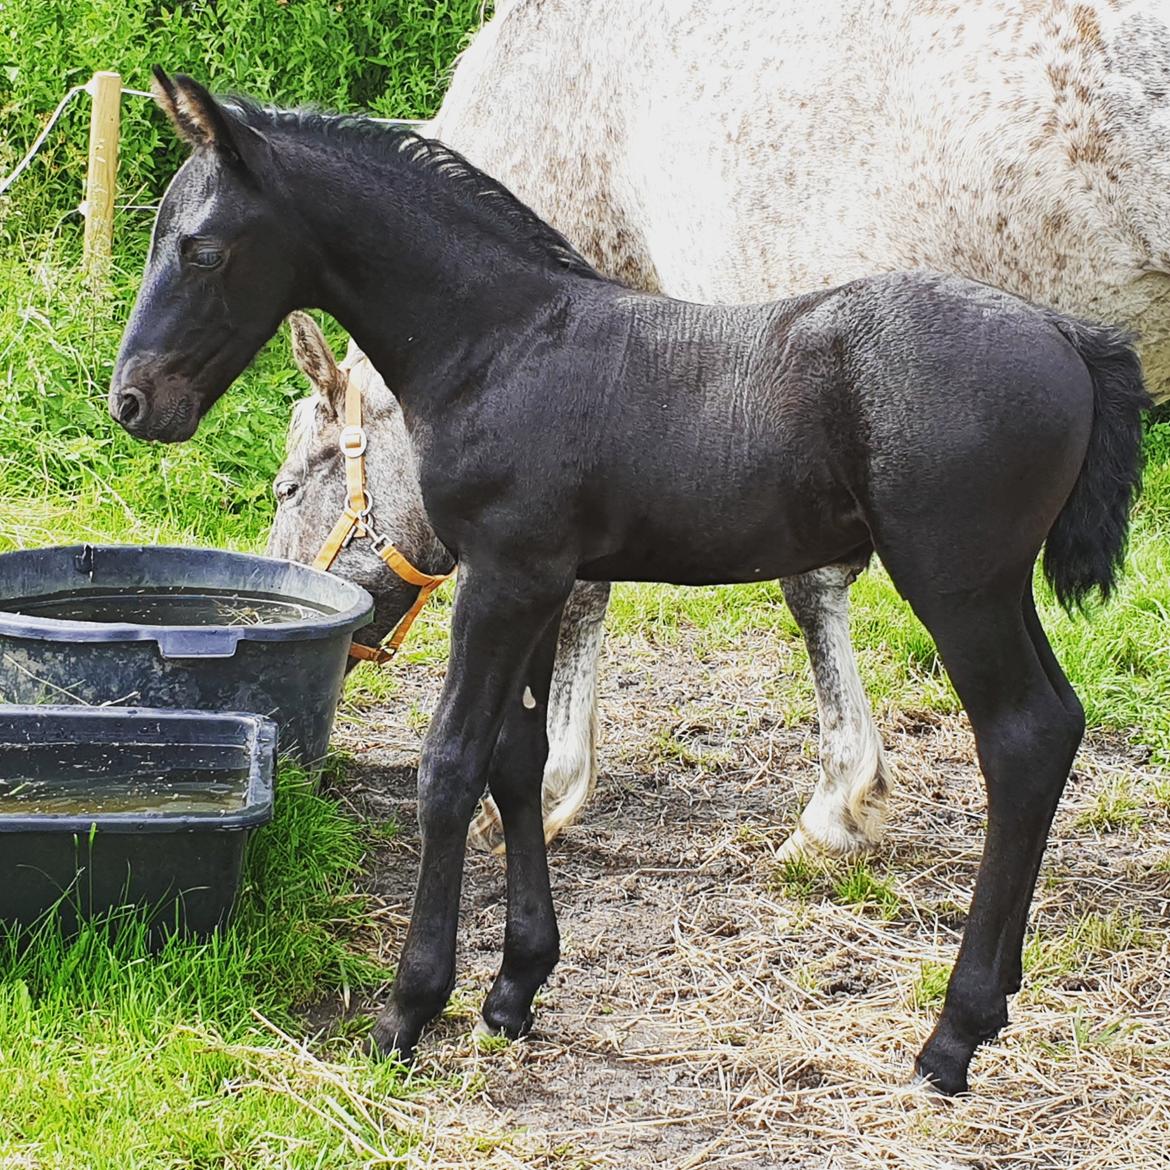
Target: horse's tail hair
point(1086, 546)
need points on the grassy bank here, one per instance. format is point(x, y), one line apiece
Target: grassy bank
point(113, 1059)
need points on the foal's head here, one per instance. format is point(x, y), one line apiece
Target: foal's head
point(222, 234)
point(410, 246)
point(310, 485)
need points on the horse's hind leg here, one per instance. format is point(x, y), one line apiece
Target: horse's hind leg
point(1026, 734)
point(571, 771)
point(531, 939)
point(570, 774)
point(847, 810)
point(1014, 944)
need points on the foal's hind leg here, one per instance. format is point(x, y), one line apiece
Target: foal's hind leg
point(571, 770)
point(531, 939)
point(1026, 734)
point(1015, 941)
point(847, 810)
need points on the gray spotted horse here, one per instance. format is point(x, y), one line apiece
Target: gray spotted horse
point(727, 153)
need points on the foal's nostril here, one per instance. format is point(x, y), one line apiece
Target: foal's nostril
point(130, 405)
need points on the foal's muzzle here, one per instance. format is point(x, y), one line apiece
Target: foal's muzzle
point(168, 416)
point(128, 405)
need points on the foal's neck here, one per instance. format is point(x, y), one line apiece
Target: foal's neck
point(420, 276)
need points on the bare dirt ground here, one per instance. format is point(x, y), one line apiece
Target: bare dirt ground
point(714, 1010)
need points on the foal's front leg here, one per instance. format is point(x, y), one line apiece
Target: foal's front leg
point(497, 622)
point(846, 813)
point(570, 772)
point(531, 938)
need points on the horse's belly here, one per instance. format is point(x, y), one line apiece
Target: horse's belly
point(704, 544)
point(1142, 306)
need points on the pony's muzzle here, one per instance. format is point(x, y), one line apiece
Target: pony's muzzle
point(129, 407)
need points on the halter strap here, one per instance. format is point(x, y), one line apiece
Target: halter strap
point(355, 521)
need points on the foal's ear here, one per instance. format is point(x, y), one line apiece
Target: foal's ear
point(195, 114)
point(314, 357)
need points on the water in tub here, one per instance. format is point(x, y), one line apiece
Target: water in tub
point(90, 779)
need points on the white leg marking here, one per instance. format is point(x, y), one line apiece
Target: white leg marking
point(571, 771)
point(847, 811)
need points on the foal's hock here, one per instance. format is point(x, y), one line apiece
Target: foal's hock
point(566, 428)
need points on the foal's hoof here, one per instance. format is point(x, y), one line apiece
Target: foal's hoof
point(947, 1083)
point(489, 1039)
point(390, 1039)
point(502, 1024)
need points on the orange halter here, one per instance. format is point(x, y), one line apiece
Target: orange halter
point(355, 521)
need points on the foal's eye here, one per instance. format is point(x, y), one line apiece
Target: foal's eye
point(206, 258)
point(286, 489)
point(201, 253)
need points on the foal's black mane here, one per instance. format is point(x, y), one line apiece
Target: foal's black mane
point(385, 143)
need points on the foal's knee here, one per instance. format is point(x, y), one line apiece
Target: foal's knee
point(448, 788)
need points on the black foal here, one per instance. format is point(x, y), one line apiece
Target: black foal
point(566, 427)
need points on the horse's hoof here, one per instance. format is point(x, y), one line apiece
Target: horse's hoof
point(795, 848)
point(501, 1025)
point(938, 1082)
point(389, 1041)
point(802, 846)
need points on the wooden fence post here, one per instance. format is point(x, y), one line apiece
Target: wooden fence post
point(101, 180)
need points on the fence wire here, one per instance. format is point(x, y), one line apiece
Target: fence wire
point(39, 141)
point(40, 138)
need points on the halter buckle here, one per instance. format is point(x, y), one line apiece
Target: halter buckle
point(362, 516)
point(353, 441)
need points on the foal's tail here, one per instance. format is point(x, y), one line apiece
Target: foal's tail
point(1086, 546)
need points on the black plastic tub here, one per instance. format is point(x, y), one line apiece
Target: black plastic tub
point(102, 807)
point(192, 628)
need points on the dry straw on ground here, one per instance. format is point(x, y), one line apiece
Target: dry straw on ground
point(713, 1009)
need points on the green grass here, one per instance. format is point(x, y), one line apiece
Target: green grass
point(847, 883)
point(930, 988)
point(1116, 808)
point(1081, 947)
point(114, 1057)
point(388, 57)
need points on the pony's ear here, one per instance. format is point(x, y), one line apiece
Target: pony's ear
point(195, 114)
point(312, 354)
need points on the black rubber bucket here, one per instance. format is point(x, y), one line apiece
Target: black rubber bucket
point(103, 807)
point(141, 652)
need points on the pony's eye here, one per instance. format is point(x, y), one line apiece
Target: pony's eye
point(206, 258)
point(286, 489)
